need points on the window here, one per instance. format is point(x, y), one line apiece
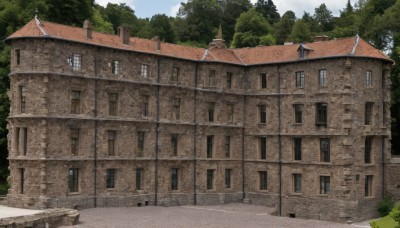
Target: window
point(144, 100)
point(367, 150)
point(176, 108)
point(75, 62)
point(174, 144)
point(325, 184)
point(140, 143)
point(210, 146)
point(211, 107)
point(263, 147)
point(16, 135)
point(111, 142)
point(263, 180)
point(112, 104)
point(144, 71)
point(75, 102)
point(368, 112)
point(139, 177)
point(25, 142)
point(229, 112)
point(324, 145)
point(322, 114)
point(262, 113)
point(74, 141)
point(110, 178)
point(211, 78)
point(22, 97)
point(210, 179)
point(298, 113)
point(263, 80)
point(228, 178)
point(17, 56)
point(22, 180)
point(322, 79)
point(368, 78)
point(175, 74)
point(368, 185)
point(115, 67)
point(229, 76)
point(300, 79)
point(73, 180)
point(174, 179)
point(297, 149)
point(297, 183)
point(227, 146)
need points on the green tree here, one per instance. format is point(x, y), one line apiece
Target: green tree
point(268, 10)
point(347, 24)
point(231, 11)
point(202, 18)
point(121, 15)
point(99, 23)
point(301, 32)
point(250, 26)
point(324, 18)
point(160, 25)
point(71, 12)
point(284, 27)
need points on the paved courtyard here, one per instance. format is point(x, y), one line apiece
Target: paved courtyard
point(229, 215)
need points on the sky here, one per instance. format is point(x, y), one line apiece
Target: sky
point(148, 8)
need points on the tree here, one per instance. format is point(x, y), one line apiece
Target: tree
point(71, 12)
point(268, 10)
point(99, 23)
point(231, 11)
point(121, 14)
point(347, 24)
point(249, 27)
point(202, 18)
point(301, 32)
point(160, 26)
point(284, 27)
point(324, 18)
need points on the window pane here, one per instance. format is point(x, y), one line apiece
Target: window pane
point(73, 180)
point(139, 176)
point(74, 141)
point(209, 146)
point(263, 180)
point(263, 148)
point(210, 179)
point(174, 179)
point(110, 178)
point(297, 149)
point(297, 183)
point(227, 178)
point(324, 150)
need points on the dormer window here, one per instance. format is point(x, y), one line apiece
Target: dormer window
point(303, 51)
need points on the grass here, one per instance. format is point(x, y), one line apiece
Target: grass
point(387, 221)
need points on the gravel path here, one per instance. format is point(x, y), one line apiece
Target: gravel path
point(228, 215)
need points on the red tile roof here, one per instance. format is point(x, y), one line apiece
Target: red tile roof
point(352, 46)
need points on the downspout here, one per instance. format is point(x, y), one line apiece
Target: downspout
point(95, 125)
point(157, 130)
point(195, 136)
point(383, 167)
point(243, 131)
point(279, 141)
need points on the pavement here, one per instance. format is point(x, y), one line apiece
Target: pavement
point(221, 216)
point(6, 212)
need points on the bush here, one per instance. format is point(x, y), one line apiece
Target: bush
point(374, 225)
point(395, 214)
point(3, 189)
point(385, 206)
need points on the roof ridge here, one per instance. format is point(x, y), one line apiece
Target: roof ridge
point(38, 24)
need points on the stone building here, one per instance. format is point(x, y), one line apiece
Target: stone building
point(110, 120)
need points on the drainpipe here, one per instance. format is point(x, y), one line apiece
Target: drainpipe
point(157, 130)
point(279, 141)
point(243, 131)
point(383, 167)
point(195, 136)
point(96, 69)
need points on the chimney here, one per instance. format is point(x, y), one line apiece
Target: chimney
point(87, 25)
point(321, 38)
point(157, 43)
point(123, 33)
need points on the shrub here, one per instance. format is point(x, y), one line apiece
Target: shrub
point(374, 225)
point(385, 206)
point(395, 214)
point(3, 189)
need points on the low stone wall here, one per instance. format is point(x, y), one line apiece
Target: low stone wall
point(49, 218)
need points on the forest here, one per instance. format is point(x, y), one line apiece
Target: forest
point(244, 25)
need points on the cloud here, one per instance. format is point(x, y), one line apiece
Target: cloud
point(175, 8)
